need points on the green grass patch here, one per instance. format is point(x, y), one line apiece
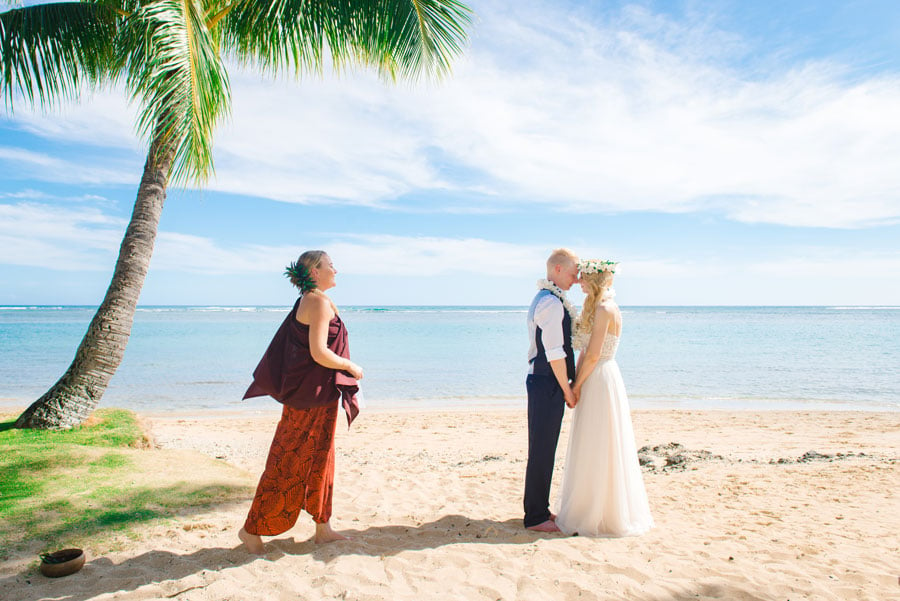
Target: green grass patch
point(105, 428)
point(67, 488)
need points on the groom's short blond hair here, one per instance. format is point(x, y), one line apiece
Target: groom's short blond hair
point(561, 256)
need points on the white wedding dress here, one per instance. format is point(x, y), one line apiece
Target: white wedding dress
point(603, 491)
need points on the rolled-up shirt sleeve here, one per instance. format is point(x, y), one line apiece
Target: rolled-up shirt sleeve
point(548, 316)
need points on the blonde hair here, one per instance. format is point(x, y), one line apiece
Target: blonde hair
point(597, 285)
point(299, 273)
point(561, 256)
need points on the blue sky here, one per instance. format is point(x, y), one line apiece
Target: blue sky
point(726, 152)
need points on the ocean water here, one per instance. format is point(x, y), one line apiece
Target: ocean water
point(192, 358)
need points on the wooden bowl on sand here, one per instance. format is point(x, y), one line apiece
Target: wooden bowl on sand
point(62, 563)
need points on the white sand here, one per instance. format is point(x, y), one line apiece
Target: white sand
point(433, 503)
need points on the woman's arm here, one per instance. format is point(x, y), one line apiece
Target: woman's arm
point(319, 312)
point(591, 355)
point(577, 391)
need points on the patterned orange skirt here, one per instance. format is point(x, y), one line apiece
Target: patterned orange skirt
point(299, 472)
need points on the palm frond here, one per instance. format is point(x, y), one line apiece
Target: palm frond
point(407, 38)
point(49, 52)
point(420, 40)
point(175, 72)
point(279, 34)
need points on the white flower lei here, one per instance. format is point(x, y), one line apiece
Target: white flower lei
point(545, 284)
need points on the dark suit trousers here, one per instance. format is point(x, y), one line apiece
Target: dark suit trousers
point(546, 406)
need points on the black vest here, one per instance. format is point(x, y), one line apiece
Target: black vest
point(540, 363)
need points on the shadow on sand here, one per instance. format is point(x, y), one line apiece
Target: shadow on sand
point(131, 574)
point(143, 569)
point(389, 540)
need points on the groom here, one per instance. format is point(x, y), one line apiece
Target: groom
point(551, 367)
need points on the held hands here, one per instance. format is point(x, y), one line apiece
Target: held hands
point(570, 396)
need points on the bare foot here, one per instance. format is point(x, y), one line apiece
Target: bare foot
point(253, 542)
point(548, 526)
point(324, 534)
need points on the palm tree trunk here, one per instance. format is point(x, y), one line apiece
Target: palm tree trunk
point(77, 393)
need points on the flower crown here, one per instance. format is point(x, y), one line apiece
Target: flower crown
point(594, 266)
point(299, 275)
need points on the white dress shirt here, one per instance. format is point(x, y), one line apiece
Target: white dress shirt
point(546, 312)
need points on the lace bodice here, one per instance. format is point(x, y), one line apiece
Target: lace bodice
point(580, 340)
point(610, 344)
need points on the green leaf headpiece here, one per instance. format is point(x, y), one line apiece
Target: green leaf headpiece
point(299, 275)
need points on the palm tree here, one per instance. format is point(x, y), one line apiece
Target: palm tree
point(171, 56)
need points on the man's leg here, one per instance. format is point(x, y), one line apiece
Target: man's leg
point(545, 411)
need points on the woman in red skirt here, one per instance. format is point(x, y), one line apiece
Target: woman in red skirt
point(307, 368)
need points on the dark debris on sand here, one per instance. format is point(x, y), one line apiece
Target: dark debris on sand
point(675, 457)
point(672, 456)
point(810, 456)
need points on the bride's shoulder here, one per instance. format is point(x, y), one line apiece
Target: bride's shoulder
point(602, 314)
point(606, 307)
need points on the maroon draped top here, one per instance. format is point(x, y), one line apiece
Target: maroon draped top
point(288, 373)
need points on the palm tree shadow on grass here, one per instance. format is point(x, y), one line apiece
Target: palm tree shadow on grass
point(134, 508)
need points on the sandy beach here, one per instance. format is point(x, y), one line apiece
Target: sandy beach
point(755, 506)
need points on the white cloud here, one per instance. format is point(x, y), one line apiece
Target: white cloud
point(634, 112)
point(40, 166)
point(85, 238)
point(44, 197)
point(833, 266)
point(82, 238)
point(55, 237)
point(196, 254)
point(334, 141)
point(429, 256)
point(614, 121)
point(102, 118)
point(670, 269)
point(378, 255)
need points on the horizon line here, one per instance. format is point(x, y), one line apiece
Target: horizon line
point(278, 306)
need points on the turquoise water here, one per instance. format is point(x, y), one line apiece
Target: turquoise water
point(188, 358)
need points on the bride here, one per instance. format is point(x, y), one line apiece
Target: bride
point(603, 490)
